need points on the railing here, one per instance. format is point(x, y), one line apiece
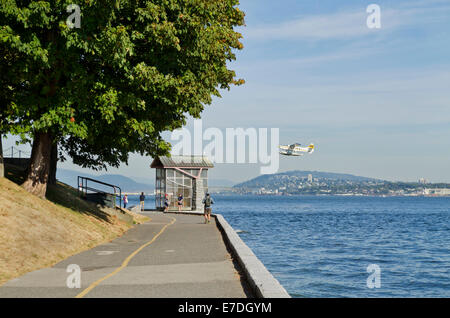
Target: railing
point(11, 151)
point(83, 188)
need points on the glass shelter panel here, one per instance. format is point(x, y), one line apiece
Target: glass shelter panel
point(160, 187)
point(178, 183)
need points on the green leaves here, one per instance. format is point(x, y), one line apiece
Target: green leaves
point(134, 69)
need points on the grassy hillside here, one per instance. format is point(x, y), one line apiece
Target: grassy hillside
point(37, 233)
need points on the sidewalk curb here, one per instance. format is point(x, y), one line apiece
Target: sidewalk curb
point(260, 279)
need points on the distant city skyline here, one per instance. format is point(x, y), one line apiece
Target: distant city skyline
point(375, 102)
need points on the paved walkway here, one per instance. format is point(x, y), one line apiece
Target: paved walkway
point(170, 256)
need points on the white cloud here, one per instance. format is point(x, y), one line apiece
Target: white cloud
point(345, 25)
point(410, 97)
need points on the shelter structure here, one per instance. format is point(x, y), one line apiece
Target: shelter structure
point(181, 175)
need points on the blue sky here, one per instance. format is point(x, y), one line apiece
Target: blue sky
point(376, 102)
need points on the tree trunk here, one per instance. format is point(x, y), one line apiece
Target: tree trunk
point(2, 167)
point(53, 163)
point(38, 170)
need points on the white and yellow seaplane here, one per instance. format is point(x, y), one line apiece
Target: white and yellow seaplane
point(296, 149)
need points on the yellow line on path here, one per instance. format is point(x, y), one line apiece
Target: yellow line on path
point(125, 262)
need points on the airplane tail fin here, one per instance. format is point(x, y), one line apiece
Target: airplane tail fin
point(311, 148)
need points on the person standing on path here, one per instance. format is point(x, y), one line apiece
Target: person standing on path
point(142, 199)
point(180, 202)
point(208, 201)
point(125, 201)
point(166, 203)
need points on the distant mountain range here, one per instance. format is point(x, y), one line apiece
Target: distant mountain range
point(220, 183)
point(126, 184)
point(328, 183)
point(269, 179)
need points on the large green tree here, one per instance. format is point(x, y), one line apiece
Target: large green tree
point(132, 70)
point(6, 116)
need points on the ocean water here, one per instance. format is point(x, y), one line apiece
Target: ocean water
point(321, 246)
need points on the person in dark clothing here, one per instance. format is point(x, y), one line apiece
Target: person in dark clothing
point(207, 202)
point(142, 199)
point(166, 203)
point(180, 202)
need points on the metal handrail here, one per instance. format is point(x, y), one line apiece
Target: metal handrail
point(83, 188)
point(13, 151)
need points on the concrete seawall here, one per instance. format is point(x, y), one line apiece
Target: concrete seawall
point(262, 282)
point(260, 279)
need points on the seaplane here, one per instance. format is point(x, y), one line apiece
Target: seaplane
point(296, 149)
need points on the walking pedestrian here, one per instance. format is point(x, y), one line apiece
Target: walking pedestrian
point(208, 201)
point(141, 200)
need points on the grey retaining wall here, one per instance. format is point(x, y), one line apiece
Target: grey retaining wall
point(20, 162)
point(260, 279)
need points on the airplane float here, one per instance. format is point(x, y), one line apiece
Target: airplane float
point(296, 150)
